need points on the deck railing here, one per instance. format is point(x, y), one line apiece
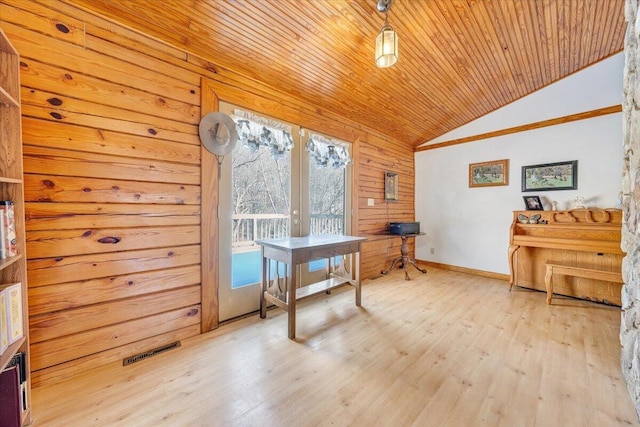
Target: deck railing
point(249, 228)
point(326, 224)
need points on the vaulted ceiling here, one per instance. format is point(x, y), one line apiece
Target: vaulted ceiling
point(459, 59)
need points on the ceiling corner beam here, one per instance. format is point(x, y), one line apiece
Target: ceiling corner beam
point(529, 126)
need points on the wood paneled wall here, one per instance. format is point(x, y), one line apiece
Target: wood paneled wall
point(113, 183)
point(376, 156)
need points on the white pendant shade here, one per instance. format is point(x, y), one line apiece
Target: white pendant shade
point(386, 47)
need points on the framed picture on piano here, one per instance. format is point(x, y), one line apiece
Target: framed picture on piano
point(533, 203)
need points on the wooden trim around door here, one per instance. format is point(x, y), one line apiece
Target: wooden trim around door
point(209, 246)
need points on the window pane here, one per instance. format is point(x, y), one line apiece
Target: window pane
point(261, 206)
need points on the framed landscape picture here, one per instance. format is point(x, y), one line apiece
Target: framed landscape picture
point(550, 176)
point(487, 174)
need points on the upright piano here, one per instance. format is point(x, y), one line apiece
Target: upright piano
point(585, 238)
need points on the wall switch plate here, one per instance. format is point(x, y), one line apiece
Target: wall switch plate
point(370, 202)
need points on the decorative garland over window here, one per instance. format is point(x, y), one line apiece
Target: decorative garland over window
point(255, 132)
point(328, 152)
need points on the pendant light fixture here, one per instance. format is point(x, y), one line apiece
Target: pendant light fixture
point(387, 40)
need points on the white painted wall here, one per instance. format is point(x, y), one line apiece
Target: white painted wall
point(469, 227)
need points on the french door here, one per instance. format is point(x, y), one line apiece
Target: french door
point(326, 205)
point(267, 193)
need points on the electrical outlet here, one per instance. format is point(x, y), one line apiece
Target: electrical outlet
point(433, 251)
point(370, 202)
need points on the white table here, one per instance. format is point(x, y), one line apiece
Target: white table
point(293, 251)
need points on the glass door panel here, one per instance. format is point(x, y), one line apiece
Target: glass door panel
point(266, 192)
point(257, 198)
point(327, 208)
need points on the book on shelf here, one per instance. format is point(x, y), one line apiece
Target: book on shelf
point(3, 252)
point(4, 323)
point(13, 307)
point(20, 361)
point(10, 397)
point(7, 210)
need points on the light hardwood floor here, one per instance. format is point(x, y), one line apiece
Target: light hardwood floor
point(444, 349)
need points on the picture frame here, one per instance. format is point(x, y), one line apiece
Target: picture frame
point(489, 174)
point(533, 203)
point(390, 186)
point(550, 176)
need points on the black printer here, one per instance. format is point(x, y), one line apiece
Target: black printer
point(404, 227)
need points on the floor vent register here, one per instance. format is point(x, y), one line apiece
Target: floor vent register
point(149, 353)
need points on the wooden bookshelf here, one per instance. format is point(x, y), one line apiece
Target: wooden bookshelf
point(13, 269)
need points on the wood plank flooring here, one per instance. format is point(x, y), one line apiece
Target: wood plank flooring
point(444, 349)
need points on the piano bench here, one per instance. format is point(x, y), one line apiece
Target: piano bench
point(572, 270)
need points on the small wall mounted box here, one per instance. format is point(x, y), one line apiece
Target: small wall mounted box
point(404, 227)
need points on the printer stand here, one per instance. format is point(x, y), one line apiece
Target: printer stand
point(404, 257)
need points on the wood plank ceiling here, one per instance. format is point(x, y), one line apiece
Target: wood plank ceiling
point(459, 59)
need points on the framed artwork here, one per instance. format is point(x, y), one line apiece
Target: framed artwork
point(390, 186)
point(533, 203)
point(487, 174)
point(550, 176)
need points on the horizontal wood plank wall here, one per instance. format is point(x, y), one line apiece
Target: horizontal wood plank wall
point(112, 183)
point(377, 155)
